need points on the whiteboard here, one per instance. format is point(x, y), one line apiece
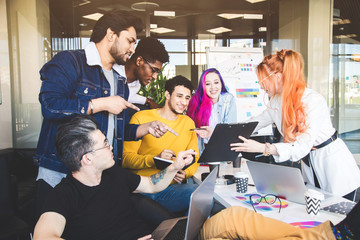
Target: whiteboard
point(237, 67)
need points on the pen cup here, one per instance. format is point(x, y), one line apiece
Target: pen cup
point(241, 180)
point(237, 162)
point(213, 165)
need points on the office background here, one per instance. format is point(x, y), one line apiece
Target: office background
point(326, 32)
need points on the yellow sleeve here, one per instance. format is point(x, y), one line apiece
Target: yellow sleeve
point(193, 144)
point(131, 158)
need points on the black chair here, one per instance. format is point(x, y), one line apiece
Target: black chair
point(11, 227)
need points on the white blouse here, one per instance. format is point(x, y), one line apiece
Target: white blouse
point(333, 164)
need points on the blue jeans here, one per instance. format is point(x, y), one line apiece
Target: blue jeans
point(175, 197)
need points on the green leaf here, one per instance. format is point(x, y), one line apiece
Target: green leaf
point(156, 89)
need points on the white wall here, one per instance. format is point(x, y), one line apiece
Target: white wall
point(305, 26)
point(29, 31)
point(6, 138)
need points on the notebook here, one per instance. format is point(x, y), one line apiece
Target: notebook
point(218, 147)
point(162, 163)
point(201, 202)
point(279, 180)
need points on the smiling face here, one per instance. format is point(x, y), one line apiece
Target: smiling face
point(178, 100)
point(147, 71)
point(213, 86)
point(123, 46)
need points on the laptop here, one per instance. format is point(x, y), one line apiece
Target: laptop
point(201, 202)
point(218, 147)
point(278, 180)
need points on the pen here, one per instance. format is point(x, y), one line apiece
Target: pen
point(261, 155)
point(252, 185)
point(193, 129)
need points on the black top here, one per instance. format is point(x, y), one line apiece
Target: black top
point(100, 212)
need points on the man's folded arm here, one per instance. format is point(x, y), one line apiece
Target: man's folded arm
point(50, 226)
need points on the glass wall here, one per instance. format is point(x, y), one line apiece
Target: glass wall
point(344, 85)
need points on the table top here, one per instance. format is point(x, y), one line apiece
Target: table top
point(294, 212)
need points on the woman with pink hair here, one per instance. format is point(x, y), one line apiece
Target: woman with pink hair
point(211, 104)
point(302, 117)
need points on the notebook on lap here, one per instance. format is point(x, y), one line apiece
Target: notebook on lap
point(201, 202)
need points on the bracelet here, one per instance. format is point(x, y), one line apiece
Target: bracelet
point(267, 149)
point(91, 107)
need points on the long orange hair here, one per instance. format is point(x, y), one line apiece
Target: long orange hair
point(291, 65)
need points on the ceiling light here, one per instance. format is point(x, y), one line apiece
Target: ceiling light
point(341, 21)
point(230, 15)
point(94, 16)
point(219, 30)
point(144, 6)
point(80, 3)
point(153, 25)
point(255, 1)
point(162, 30)
point(262, 29)
point(346, 36)
point(253, 16)
point(164, 13)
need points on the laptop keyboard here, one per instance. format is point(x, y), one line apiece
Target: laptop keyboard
point(178, 231)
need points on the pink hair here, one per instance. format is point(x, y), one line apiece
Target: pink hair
point(200, 104)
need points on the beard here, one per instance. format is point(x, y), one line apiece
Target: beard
point(118, 57)
point(173, 109)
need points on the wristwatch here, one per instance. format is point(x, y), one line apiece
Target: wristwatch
point(267, 149)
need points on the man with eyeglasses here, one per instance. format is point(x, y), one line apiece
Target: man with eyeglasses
point(89, 82)
point(143, 67)
point(138, 155)
point(94, 202)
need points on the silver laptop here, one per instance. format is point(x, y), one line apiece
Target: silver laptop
point(201, 202)
point(279, 180)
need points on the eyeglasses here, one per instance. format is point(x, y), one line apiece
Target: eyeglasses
point(154, 70)
point(107, 145)
point(272, 73)
point(256, 199)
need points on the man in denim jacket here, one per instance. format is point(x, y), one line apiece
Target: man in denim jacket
point(88, 82)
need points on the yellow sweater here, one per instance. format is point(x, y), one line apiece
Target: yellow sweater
point(138, 155)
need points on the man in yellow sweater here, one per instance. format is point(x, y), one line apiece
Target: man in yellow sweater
point(138, 155)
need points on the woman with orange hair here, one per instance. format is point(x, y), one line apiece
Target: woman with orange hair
point(302, 117)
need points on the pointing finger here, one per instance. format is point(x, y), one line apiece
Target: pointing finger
point(130, 105)
point(172, 131)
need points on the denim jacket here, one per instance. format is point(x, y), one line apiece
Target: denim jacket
point(226, 113)
point(69, 81)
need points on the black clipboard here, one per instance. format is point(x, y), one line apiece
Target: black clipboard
point(218, 147)
point(162, 163)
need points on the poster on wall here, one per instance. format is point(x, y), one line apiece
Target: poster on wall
point(237, 66)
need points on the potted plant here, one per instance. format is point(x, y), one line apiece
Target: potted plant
point(156, 89)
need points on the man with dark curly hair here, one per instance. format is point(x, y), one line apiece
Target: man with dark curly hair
point(143, 67)
point(89, 82)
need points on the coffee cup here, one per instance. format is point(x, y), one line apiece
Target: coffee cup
point(313, 200)
point(241, 180)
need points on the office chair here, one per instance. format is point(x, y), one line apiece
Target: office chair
point(11, 227)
